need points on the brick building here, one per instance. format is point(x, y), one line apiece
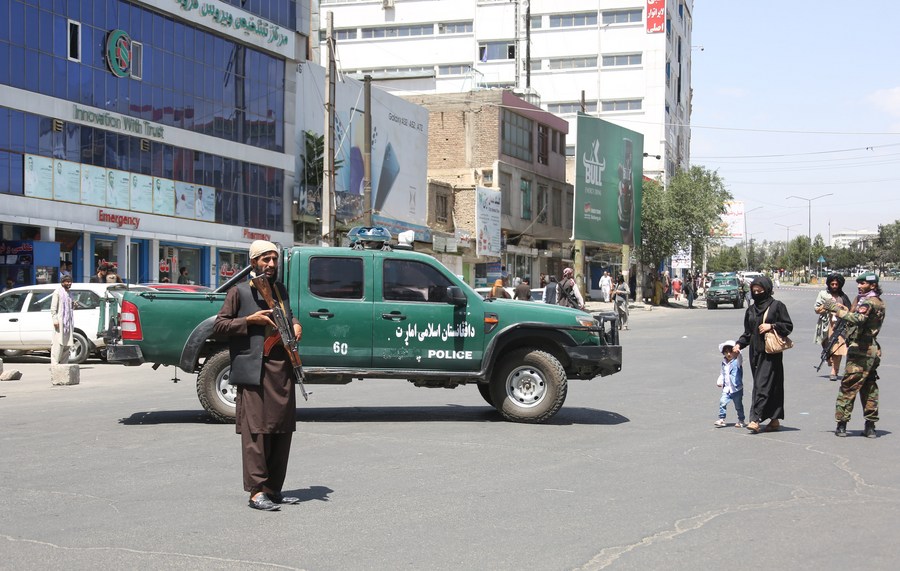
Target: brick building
point(495, 139)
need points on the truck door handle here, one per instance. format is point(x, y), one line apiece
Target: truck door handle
point(394, 316)
point(321, 314)
point(14, 320)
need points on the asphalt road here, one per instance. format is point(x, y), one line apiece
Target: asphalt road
point(125, 471)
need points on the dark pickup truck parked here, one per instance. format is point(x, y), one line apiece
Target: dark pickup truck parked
point(385, 314)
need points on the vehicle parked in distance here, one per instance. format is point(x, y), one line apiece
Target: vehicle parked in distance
point(748, 277)
point(25, 323)
point(177, 287)
point(725, 290)
point(537, 293)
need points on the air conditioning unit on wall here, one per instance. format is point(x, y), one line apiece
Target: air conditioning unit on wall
point(385, 4)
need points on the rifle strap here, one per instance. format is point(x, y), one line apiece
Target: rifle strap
point(280, 300)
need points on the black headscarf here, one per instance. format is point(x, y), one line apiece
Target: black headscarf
point(760, 305)
point(840, 289)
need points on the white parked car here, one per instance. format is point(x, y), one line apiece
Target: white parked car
point(25, 323)
point(537, 293)
point(749, 277)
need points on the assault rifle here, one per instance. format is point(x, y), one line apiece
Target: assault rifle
point(833, 341)
point(285, 330)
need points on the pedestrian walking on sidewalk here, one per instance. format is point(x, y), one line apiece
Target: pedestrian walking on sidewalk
point(620, 297)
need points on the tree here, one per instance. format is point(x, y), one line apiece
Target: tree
point(727, 259)
point(681, 214)
point(886, 247)
point(314, 170)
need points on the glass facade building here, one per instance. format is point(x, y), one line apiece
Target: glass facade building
point(187, 100)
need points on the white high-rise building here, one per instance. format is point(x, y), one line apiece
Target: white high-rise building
point(629, 61)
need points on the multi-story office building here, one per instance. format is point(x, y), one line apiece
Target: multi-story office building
point(626, 61)
point(150, 134)
point(629, 60)
point(479, 139)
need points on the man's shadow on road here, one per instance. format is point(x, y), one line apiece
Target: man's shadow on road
point(446, 413)
point(310, 494)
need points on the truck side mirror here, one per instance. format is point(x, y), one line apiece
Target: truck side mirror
point(455, 296)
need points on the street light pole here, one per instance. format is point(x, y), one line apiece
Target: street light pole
point(809, 202)
point(788, 236)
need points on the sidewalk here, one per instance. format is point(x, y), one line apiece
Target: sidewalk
point(597, 306)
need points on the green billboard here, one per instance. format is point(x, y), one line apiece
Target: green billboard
point(608, 182)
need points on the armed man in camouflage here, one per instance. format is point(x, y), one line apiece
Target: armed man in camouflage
point(863, 354)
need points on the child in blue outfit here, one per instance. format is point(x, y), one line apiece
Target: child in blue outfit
point(731, 379)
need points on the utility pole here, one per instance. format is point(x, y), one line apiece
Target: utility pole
point(528, 44)
point(328, 230)
point(579, 244)
point(367, 152)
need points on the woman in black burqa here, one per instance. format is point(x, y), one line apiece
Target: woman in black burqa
point(768, 369)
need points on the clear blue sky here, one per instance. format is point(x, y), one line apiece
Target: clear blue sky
point(795, 97)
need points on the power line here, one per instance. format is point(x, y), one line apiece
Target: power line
point(869, 148)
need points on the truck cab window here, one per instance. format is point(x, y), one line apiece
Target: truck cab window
point(407, 280)
point(336, 278)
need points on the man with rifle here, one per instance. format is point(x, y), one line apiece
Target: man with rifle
point(863, 354)
point(263, 372)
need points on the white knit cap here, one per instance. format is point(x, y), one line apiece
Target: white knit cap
point(729, 343)
point(260, 247)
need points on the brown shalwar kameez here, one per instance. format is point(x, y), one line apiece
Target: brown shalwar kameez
point(265, 415)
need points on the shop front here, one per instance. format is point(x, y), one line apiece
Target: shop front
point(28, 262)
point(230, 262)
point(183, 263)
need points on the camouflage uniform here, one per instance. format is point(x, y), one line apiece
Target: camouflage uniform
point(863, 358)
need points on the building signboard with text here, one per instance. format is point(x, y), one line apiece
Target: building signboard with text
point(608, 183)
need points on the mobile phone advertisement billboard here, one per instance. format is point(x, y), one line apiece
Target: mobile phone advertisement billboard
point(399, 151)
point(608, 183)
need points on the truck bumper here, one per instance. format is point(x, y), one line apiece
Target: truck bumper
point(128, 355)
point(589, 361)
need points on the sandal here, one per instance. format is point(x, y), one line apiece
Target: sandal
point(753, 426)
point(773, 425)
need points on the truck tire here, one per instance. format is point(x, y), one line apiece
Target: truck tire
point(485, 390)
point(739, 303)
point(529, 386)
point(710, 305)
point(81, 348)
point(216, 394)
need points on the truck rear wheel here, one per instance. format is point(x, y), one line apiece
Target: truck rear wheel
point(216, 394)
point(529, 386)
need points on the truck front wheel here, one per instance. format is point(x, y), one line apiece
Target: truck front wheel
point(216, 394)
point(529, 386)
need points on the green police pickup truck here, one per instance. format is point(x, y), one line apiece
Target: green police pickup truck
point(384, 314)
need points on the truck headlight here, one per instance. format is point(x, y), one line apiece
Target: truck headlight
point(586, 321)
